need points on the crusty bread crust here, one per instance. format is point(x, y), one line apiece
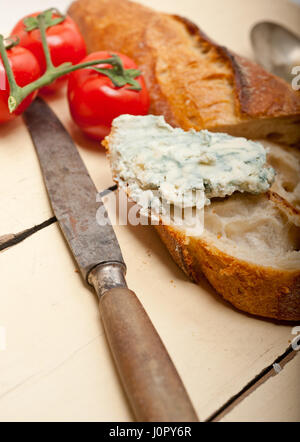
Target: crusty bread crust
point(193, 82)
point(252, 285)
point(262, 291)
point(254, 289)
point(258, 93)
point(196, 83)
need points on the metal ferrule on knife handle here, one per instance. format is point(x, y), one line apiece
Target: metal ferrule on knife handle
point(107, 276)
point(153, 386)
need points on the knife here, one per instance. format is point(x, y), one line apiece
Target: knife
point(149, 377)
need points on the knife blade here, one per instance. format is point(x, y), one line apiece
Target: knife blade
point(153, 386)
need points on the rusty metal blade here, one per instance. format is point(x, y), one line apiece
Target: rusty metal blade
point(71, 191)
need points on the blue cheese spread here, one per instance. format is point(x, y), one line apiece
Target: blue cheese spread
point(161, 163)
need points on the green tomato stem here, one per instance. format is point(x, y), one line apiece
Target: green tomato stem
point(119, 78)
point(42, 28)
point(51, 75)
point(15, 90)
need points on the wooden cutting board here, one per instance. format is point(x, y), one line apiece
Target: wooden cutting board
point(56, 365)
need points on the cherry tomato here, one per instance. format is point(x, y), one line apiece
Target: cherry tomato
point(65, 43)
point(95, 101)
point(26, 69)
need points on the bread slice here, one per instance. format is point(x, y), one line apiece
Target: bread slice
point(193, 82)
point(249, 250)
point(286, 161)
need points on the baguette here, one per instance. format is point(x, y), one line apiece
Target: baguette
point(249, 252)
point(193, 82)
point(250, 248)
point(286, 161)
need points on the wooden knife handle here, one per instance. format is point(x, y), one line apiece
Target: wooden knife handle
point(153, 386)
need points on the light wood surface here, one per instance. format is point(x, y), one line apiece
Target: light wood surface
point(57, 365)
point(153, 386)
point(276, 400)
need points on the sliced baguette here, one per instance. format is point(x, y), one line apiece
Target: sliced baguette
point(286, 161)
point(249, 250)
point(192, 81)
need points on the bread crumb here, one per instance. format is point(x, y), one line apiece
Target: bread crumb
point(285, 290)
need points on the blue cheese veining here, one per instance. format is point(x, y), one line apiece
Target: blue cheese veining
point(160, 163)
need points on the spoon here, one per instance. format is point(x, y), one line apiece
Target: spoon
point(276, 49)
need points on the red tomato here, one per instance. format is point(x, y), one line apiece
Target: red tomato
point(26, 69)
point(94, 101)
point(65, 43)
